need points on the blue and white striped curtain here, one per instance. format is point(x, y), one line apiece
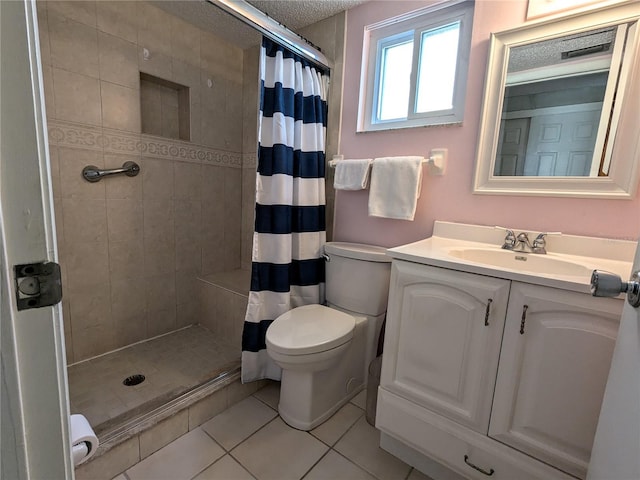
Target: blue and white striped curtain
point(287, 263)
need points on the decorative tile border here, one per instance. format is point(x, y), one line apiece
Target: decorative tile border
point(67, 134)
point(250, 160)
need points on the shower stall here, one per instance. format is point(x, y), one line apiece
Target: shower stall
point(156, 266)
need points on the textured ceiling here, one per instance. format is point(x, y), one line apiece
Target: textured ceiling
point(295, 14)
point(549, 52)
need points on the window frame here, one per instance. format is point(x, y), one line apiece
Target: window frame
point(382, 34)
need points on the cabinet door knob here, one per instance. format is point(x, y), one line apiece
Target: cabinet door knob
point(475, 467)
point(604, 284)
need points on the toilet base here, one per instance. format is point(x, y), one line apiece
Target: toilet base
point(307, 400)
point(310, 397)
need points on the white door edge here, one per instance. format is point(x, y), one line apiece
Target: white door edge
point(35, 403)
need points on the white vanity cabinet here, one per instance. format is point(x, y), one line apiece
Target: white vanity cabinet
point(445, 329)
point(554, 364)
point(482, 398)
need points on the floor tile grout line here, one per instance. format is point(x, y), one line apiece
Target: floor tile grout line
point(256, 431)
point(212, 463)
point(353, 461)
point(356, 464)
point(242, 464)
point(348, 429)
point(262, 401)
point(330, 447)
point(210, 436)
point(343, 434)
point(244, 439)
point(316, 463)
point(172, 442)
point(271, 421)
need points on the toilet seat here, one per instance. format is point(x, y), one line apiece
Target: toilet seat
point(309, 329)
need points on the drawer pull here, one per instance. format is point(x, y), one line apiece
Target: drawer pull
point(487, 312)
point(524, 318)
point(475, 467)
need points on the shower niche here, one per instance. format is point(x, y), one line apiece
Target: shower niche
point(164, 108)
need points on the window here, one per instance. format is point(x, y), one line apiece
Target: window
point(414, 72)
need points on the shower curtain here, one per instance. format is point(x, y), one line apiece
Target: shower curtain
point(287, 264)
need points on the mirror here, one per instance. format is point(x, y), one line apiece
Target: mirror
point(560, 107)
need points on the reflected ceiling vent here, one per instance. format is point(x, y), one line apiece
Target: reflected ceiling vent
point(579, 52)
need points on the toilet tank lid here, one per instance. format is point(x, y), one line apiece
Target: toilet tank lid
point(359, 251)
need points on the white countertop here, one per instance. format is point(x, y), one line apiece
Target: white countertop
point(615, 256)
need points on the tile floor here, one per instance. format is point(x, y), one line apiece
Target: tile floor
point(250, 441)
point(172, 364)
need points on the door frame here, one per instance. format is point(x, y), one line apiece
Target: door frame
point(35, 401)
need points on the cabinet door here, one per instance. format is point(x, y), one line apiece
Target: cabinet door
point(554, 364)
point(442, 343)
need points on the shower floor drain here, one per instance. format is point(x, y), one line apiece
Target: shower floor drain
point(133, 380)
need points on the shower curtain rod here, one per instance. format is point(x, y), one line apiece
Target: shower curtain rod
point(269, 27)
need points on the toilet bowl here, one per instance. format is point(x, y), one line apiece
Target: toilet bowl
point(309, 338)
point(324, 351)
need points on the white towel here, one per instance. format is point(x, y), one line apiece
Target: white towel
point(395, 187)
point(352, 174)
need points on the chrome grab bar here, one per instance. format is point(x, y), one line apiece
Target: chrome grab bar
point(93, 174)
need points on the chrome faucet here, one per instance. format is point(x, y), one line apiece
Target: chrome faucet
point(521, 243)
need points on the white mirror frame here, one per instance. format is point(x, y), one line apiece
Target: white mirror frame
point(622, 181)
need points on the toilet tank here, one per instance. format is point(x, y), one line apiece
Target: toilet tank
point(357, 277)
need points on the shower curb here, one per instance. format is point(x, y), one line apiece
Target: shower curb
point(152, 418)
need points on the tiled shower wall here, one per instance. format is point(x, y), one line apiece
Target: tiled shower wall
point(131, 248)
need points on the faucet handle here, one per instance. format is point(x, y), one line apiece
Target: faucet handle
point(540, 243)
point(509, 239)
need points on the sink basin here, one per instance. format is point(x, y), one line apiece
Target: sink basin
point(524, 262)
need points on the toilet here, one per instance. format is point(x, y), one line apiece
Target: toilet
point(325, 351)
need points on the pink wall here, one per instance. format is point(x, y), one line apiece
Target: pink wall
point(450, 197)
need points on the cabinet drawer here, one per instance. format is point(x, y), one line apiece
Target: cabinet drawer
point(449, 444)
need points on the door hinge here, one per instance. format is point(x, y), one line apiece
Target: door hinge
point(38, 285)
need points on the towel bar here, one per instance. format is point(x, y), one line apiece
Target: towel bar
point(334, 162)
point(436, 161)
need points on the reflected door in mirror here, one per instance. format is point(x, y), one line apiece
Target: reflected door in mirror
point(560, 107)
point(555, 101)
